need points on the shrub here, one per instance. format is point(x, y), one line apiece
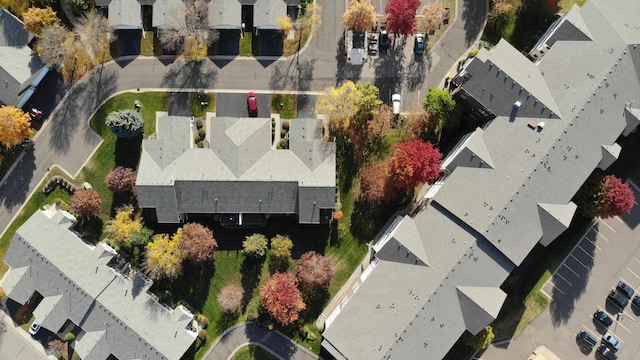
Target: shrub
point(199, 124)
point(197, 138)
point(78, 7)
point(283, 144)
point(473, 53)
point(202, 133)
point(314, 271)
point(69, 337)
point(203, 320)
point(202, 335)
point(200, 145)
point(126, 124)
point(285, 125)
point(230, 298)
point(121, 179)
point(255, 245)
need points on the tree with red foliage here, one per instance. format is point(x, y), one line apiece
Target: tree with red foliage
point(414, 162)
point(282, 298)
point(605, 197)
point(197, 243)
point(314, 271)
point(86, 203)
point(375, 184)
point(401, 16)
point(121, 179)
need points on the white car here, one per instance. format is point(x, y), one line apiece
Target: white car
point(35, 327)
point(395, 103)
point(611, 341)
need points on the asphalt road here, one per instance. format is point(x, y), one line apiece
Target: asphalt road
point(608, 252)
point(251, 333)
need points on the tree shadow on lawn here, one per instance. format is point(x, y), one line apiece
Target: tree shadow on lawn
point(250, 270)
point(118, 200)
point(315, 301)
point(368, 219)
point(192, 288)
point(127, 152)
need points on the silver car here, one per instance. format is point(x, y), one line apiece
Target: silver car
point(611, 341)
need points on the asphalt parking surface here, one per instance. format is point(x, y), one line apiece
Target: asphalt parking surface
point(607, 253)
point(235, 105)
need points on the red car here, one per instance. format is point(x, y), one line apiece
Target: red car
point(34, 113)
point(252, 104)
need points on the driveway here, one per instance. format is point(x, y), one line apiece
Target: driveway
point(608, 252)
point(235, 105)
point(252, 333)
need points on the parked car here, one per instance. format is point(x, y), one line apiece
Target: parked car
point(606, 353)
point(618, 299)
point(384, 41)
point(625, 289)
point(418, 44)
point(603, 318)
point(586, 338)
point(35, 327)
point(611, 341)
point(34, 113)
point(252, 104)
point(395, 103)
point(636, 301)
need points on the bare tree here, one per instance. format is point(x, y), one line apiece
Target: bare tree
point(190, 36)
point(52, 46)
point(95, 33)
point(433, 16)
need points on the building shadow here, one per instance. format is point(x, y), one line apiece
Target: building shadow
point(15, 189)
point(388, 70)
point(417, 71)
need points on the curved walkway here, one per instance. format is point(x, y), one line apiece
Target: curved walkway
point(247, 333)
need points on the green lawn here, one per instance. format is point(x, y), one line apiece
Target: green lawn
point(197, 109)
point(253, 352)
point(246, 44)
point(146, 44)
point(285, 105)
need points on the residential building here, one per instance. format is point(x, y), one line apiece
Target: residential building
point(90, 291)
point(240, 178)
point(21, 70)
point(507, 186)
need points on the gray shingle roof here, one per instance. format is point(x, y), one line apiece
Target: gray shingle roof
point(225, 14)
point(124, 14)
point(168, 13)
point(20, 67)
point(115, 312)
point(266, 13)
point(487, 216)
point(243, 173)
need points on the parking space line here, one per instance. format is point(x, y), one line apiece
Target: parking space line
point(570, 269)
point(631, 271)
point(595, 335)
point(593, 242)
point(607, 225)
point(618, 218)
point(557, 288)
point(561, 277)
point(586, 252)
point(622, 326)
point(581, 263)
point(604, 237)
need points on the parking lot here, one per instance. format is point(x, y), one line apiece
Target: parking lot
point(608, 252)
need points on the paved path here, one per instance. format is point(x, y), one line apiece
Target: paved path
point(252, 333)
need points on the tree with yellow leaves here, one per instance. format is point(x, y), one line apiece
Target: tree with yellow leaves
point(15, 126)
point(123, 226)
point(341, 104)
point(312, 19)
point(360, 16)
point(163, 257)
point(35, 19)
point(285, 24)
